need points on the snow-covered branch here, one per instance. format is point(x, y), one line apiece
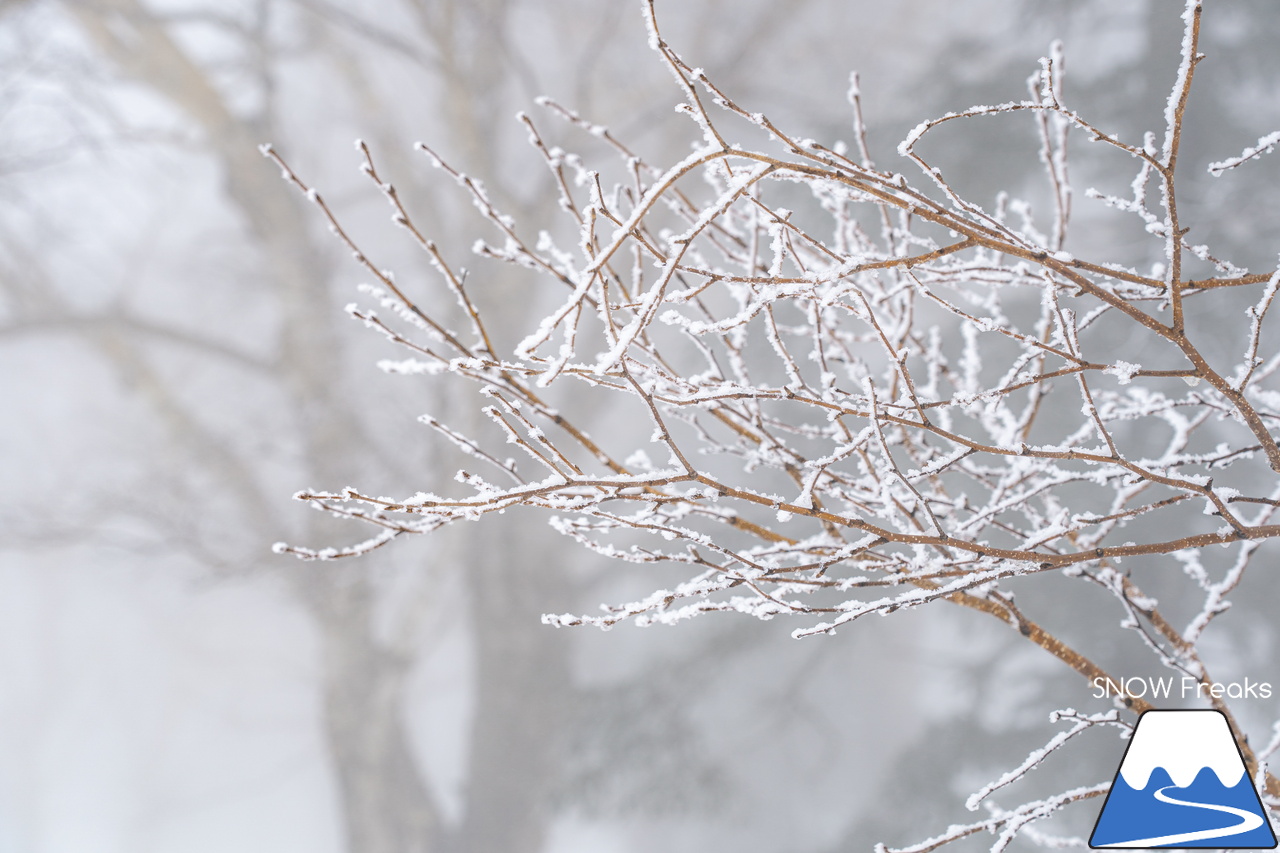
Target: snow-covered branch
point(864, 394)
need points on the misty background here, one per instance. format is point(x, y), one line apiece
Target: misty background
point(175, 364)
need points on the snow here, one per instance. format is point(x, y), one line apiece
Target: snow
point(1124, 371)
point(1265, 145)
point(1183, 77)
point(1183, 743)
point(905, 146)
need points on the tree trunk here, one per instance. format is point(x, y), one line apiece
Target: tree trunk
point(522, 698)
point(386, 804)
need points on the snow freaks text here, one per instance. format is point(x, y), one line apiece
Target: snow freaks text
point(1184, 688)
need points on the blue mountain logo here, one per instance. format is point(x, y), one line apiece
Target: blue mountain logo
point(1182, 784)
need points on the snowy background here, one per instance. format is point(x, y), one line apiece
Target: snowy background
point(174, 364)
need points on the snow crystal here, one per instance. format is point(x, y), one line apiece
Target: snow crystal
point(1265, 145)
point(639, 460)
point(904, 147)
point(1124, 371)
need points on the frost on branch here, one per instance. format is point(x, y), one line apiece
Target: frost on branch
point(825, 390)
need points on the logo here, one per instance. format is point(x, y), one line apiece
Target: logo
point(1182, 783)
